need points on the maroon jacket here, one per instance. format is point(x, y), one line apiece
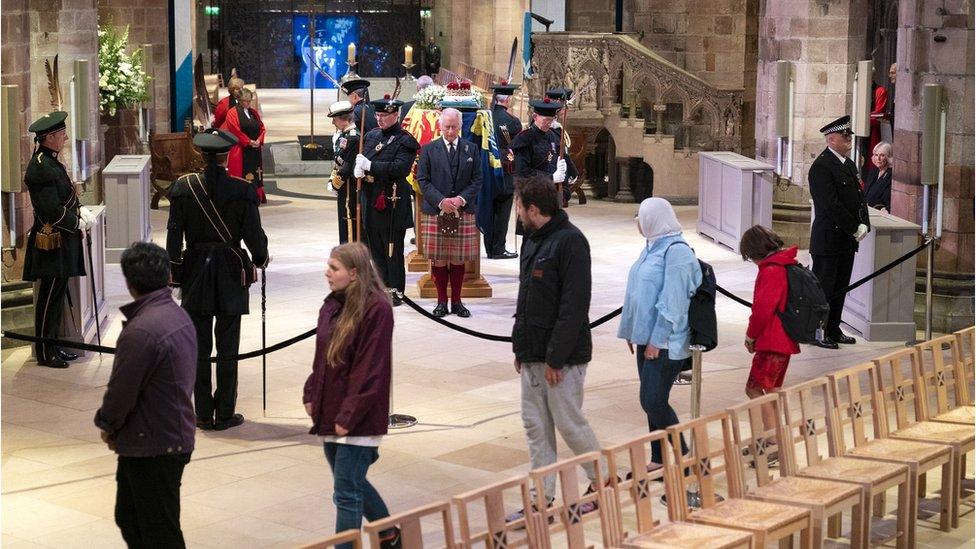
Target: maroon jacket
point(769, 298)
point(355, 394)
point(148, 405)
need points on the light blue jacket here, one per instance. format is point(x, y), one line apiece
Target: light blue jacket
point(657, 298)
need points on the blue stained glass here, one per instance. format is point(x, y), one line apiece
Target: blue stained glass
point(332, 36)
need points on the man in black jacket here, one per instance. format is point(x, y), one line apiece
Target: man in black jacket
point(840, 222)
point(551, 337)
point(506, 128)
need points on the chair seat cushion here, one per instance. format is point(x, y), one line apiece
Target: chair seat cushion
point(750, 514)
point(806, 491)
point(962, 414)
point(690, 536)
point(853, 470)
point(937, 431)
point(899, 450)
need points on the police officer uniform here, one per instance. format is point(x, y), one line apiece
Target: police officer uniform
point(507, 127)
point(54, 251)
point(360, 86)
point(343, 182)
point(840, 221)
point(213, 212)
point(387, 213)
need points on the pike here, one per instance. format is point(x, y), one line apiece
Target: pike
point(511, 61)
point(315, 65)
point(394, 197)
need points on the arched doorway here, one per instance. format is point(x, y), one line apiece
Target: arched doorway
point(641, 179)
point(600, 164)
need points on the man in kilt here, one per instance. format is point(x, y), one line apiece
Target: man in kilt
point(449, 174)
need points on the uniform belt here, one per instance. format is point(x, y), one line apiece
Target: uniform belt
point(209, 245)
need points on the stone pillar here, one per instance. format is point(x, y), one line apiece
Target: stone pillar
point(824, 41)
point(659, 109)
point(624, 193)
point(923, 60)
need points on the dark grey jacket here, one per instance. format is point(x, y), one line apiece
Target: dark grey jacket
point(148, 405)
point(552, 322)
point(438, 179)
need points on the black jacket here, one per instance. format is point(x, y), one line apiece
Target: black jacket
point(369, 120)
point(537, 153)
point(877, 190)
point(346, 149)
point(392, 153)
point(54, 201)
point(838, 205)
point(552, 322)
point(439, 180)
point(208, 270)
point(506, 128)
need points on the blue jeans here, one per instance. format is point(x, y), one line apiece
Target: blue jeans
point(656, 379)
point(353, 495)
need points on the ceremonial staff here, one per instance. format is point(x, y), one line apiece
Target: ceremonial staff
point(562, 147)
point(359, 180)
point(264, 343)
point(91, 278)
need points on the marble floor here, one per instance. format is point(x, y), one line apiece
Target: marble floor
point(266, 484)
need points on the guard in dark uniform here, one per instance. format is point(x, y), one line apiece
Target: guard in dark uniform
point(565, 95)
point(840, 222)
point(388, 156)
point(506, 128)
point(54, 251)
point(213, 212)
point(356, 90)
point(346, 145)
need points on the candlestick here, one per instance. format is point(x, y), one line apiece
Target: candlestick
point(408, 55)
point(351, 53)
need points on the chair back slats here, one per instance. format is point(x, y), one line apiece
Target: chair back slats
point(702, 465)
point(938, 363)
point(495, 532)
point(569, 506)
point(638, 483)
point(809, 415)
point(755, 442)
point(901, 385)
point(966, 371)
point(409, 523)
point(855, 396)
point(355, 537)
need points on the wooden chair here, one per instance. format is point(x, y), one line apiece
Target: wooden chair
point(408, 522)
point(945, 380)
point(355, 537)
point(824, 498)
point(966, 341)
point(497, 532)
point(171, 156)
point(810, 418)
point(569, 506)
point(767, 522)
point(856, 399)
point(638, 485)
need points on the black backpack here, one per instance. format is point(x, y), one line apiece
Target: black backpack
point(701, 310)
point(806, 309)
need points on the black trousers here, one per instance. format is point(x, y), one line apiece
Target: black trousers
point(391, 268)
point(495, 239)
point(346, 201)
point(147, 500)
point(221, 402)
point(47, 312)
point(834, 272)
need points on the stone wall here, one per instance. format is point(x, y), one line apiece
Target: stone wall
point(15, 28)
point(590, 15)
point(479, 33)
point(923, 60)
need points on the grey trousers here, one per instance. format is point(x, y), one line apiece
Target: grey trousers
point(545, 409)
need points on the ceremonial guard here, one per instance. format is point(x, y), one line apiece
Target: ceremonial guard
point(536, 148)
point(213, 212)
point(356, 90)
point(506, 128)
point(449, 174)
point(840, 222)
point(433, 57)
point(54, 251)
point(388, 156)
point(346, 144)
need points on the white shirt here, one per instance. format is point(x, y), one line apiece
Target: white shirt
point(449, 144)
point(842, 158)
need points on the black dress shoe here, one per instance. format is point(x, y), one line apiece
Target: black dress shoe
point(66, 356)
point(826, 343)
point(843, 338)
point(460, 310)
point(232, 421)
point(53, 362)
point(506, 255)
point(205, 424)
point(440, 311)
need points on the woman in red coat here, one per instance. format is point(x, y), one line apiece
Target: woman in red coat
point(244, 160)
point(765, 336)
point(234, 87)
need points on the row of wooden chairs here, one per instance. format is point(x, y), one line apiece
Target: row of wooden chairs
point(842, 443)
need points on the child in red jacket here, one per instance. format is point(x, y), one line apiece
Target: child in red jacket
point(765, 336)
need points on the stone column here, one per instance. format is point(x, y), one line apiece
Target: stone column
point(624, 193)
point(922, 60)
point(824, 41)
point(659, 109)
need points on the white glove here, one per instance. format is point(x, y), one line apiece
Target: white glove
point(362, 163)
point(85, 218)
point(862, 231)
point(358, 172)
point(555, 124)
point(559, 175)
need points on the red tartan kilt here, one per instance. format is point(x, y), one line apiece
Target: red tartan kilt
point(456, 248)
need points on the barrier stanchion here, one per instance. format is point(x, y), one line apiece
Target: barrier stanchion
point(694, 495)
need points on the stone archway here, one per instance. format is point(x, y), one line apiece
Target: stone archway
point(599, 164)
point(641, 179)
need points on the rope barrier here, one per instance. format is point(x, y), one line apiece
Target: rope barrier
point(413, 305)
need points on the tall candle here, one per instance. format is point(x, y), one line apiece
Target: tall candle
point(408, 55)
point(351, 53)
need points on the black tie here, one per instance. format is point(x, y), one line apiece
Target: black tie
point(450, 152)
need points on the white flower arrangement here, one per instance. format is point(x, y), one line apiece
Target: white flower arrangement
point(122, 82)
point(429, 97)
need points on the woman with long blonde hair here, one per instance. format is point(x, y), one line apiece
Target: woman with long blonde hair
point(348, 393)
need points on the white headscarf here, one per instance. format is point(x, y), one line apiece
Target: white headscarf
point(656, 219)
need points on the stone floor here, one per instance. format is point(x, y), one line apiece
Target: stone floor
point(267, 484)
